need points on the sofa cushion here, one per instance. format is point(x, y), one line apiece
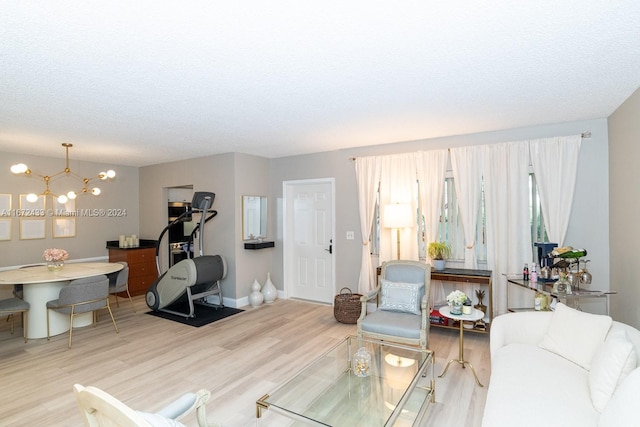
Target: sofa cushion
point(613, 361)
point(532, 387)
point(621, 411)
point(400, 296)
point(575, 335)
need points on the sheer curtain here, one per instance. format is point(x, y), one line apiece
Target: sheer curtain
point(368, 180)
point(431, 168)
point(466, 163)
point(398, 185)
point(506, 192)
point(555, 164)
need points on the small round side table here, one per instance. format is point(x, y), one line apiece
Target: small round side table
point(475, 315)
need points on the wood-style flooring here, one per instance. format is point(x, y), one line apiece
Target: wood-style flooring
point(153, 361)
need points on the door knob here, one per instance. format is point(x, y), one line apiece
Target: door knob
point(330, 250)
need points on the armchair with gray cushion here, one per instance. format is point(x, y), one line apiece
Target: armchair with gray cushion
point(402, 314)
point(100, 409)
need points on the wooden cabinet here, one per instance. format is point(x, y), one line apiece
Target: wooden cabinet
point(142, 266)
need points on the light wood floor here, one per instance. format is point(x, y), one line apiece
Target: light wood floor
point(239, 359)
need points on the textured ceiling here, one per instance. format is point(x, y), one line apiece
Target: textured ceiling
point(145, 82)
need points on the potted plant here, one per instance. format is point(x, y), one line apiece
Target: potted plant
point(439, 252)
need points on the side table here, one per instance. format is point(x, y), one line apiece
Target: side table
point(475, 315)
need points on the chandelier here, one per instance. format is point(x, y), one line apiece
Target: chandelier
point(21, 168)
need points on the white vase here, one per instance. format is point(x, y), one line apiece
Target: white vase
point(255, 297)
point(439, 264)
point(269, 291)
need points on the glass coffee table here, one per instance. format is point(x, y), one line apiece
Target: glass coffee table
point(396, 391)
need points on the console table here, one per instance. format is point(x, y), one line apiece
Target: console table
point(572, 299)
point(465, 275)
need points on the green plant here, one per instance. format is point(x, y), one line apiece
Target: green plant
point(439, 250)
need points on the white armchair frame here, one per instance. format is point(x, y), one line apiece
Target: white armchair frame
point(100, 409)
point(400, 328)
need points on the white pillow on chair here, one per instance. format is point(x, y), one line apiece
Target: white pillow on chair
point(400, 296)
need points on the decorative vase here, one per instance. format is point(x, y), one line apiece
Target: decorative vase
point(439, 264)
point(55, 265)
point(456, 308)
point(255, 297)
point(269, 291)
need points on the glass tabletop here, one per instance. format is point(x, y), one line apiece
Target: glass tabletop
point(328, 391)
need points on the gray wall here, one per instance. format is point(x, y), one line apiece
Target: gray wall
point(624, 176)
point(229, 176)
point(91, 232)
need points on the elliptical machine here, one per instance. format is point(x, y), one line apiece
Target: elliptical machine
point(190, 280)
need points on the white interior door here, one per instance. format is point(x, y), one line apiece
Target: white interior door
point(308, 240)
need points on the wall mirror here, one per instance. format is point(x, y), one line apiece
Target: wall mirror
point(254, 217)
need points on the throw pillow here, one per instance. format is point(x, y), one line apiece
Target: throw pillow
point(575, 335)
point(613, 361)
point(622, 409)
point(399, 296)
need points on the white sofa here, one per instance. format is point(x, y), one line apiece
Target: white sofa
point(563, 368)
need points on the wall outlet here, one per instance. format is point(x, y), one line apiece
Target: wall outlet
point(350, 235)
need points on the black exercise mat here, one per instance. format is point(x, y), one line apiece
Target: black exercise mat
point(203, 314)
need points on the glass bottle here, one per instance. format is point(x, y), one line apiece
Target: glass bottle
point(525, 272)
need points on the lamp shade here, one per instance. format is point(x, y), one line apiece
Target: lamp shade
point(398, 215)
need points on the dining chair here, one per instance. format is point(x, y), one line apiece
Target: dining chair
point(119, 282)
point(13, 306)
point(100, 409)
point(402, 313)
point(84, 295)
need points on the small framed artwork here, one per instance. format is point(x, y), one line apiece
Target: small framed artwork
point(5, 229)
point(64, 209)
point(5, 204)
point(32, 228)
point(64, 227)
point(28, 208)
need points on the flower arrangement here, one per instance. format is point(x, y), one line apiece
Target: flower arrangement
point(456, 297)
point(55, 254)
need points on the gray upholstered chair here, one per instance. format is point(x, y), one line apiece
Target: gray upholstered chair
point(402, 314)
point(82, 296)
point(119, 282)
point(13, 306)
point(101, 409)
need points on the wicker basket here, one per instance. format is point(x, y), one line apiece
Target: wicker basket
point(347, 306)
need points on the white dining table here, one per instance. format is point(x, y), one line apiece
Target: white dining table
point(41, 285)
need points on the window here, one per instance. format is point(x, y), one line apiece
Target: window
point(450, 226)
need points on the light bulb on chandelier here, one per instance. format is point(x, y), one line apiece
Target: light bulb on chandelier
point(22, 168)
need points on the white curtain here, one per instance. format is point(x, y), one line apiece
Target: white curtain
point(506, 191)
point(398, 185)
point(466, 163)
point(368, 180)
point(432, 166)
point(555, 164)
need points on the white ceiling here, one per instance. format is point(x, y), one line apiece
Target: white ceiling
point(143, 82)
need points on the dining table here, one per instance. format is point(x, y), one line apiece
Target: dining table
point(40, 285)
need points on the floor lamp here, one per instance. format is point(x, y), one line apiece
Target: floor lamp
point(398, 215)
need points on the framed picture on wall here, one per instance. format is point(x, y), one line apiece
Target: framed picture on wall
point(64, 227)
point(32, 228)
point(28, 208)
point(5, 229)
point(64, 209)
point(5, 204)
